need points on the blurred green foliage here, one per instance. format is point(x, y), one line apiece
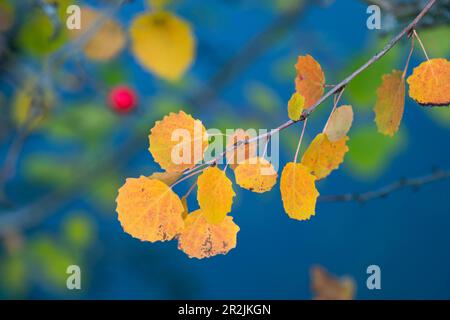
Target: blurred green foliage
point(361, 92)
point(371, 152)
point(37, 36)
point(86, 123)
point(43, 258)
point(432, 37)
point(49, 170)
point(263, 97)
point(78, 230)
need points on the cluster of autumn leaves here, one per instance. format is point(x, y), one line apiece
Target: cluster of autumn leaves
point(150, 210)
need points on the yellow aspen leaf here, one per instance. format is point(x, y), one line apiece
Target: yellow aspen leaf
point(167, 177)
point(163, 44)
point(106, 42)
point(26, 112)
point(390, 103)
point(149, 210)
point(201, 239)
point(310, 80)
point(340, 123)
point(323, 156)
point(298, 191)
point(329, 287)
point(178, 142)
point(256, 174)
point(429, 85)
point(295, 106)
point(242, 152)
point(215, 194)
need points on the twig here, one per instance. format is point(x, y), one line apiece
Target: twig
point(388, 189)
point(337, 98)
point(190, 189)
point(300, 140)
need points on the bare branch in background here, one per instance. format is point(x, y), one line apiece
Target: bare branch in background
point(414, 183)
point(251, 51)
point(404, 11)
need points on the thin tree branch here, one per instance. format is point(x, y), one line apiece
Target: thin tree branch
point(22, 218)
point(383, 192)
point(336, 89)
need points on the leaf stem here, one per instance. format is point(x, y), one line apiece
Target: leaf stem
point(421, 44)
point(409, 58)
point(300, 140)
point(337, 97)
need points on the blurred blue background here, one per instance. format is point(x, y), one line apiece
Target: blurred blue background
point(407, 234)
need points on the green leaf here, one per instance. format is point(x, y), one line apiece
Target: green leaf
point(295, 106)
point(50, 262)
point(87, 123)
point(104, 189)
point(370, 152)
point(13, 275)
point(263, 97)
point(283, 69)
point(113, 73)
point(49, 171)
point(36, 35)
point(441, 115)
point(361, 91)
point(431, 39)
point(78, 230)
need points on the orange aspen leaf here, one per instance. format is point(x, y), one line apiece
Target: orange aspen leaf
point(295, 106)
point(429, 85)
point(329, 287)
point(178, 142)
point(390, 103)
point(340, 123)
point(242, 152)
point(323, 156)
point(298, 191)
point(310, 80)
point(163, 44)
point(149, 210)
point(215, 194)
point(256, 174)
point(201, 239)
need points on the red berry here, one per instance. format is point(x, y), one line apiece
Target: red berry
point(122, 99)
